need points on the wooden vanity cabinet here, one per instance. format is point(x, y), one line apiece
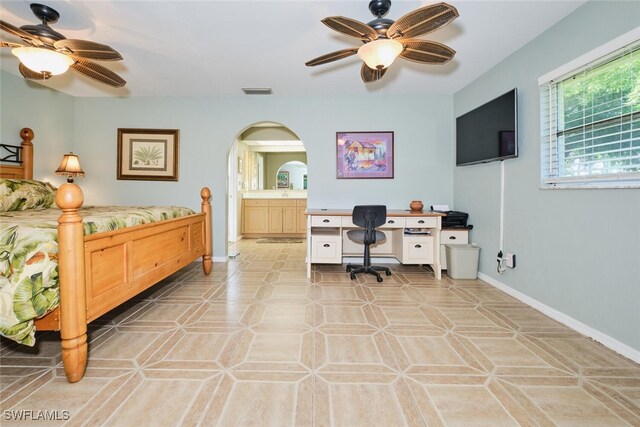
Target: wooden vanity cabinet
point(274, 217)
point(255, 216)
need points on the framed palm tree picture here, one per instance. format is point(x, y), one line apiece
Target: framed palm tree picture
point(148, 154)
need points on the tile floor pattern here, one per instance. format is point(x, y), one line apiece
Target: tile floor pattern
point(256, 343)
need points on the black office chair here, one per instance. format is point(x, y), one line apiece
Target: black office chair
point(370, 217)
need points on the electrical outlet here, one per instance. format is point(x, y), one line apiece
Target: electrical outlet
point(510, 260)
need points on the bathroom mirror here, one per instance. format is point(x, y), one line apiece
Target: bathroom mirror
point(292, 175)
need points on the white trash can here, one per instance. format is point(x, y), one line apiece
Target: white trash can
point(462, 261)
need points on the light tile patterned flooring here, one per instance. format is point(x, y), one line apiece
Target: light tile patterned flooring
point(256, 343)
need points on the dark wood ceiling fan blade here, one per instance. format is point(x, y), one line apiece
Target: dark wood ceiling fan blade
point(333, 56)
point(87, 49)
point(32, 75)
point(423, 21)
point(350, 27)
point(12, 29)
point(370, 75)
point(9, 44)
point(97, 72)
point(426, 52)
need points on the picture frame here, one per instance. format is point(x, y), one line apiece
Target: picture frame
point(364, 155)
point(148, 154)
point(282, 179)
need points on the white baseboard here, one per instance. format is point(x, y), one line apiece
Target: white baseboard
point(569, 321)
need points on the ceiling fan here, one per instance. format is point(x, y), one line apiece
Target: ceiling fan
point(50, 53)
point(384, 40)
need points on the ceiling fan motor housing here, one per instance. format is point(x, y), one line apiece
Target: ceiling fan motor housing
point(381, 25)
point(45, 33)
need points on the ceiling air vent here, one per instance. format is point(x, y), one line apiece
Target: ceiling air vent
point(257, 90)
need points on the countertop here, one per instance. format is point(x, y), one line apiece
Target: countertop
point(275, 194)
point(390, 212)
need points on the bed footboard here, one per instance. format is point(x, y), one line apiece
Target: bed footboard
point(99, 272)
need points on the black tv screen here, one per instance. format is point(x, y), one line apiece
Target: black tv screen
point(489, 132)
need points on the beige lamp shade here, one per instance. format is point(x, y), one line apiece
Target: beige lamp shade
point(70, 166)
point(380, 53)
point(43, 60)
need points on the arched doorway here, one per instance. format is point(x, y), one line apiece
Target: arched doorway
point(256, 158)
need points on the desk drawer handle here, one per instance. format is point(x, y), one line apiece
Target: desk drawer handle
point(421, 221)
point(452, 237)
point(418, 246)
point(326, 245)
point(325, 220)
point(391, 221)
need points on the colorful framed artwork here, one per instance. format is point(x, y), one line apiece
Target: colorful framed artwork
point(282, 179)
point(148, 154)
point(364, 155)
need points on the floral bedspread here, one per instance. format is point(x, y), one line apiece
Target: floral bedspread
point(28, 258)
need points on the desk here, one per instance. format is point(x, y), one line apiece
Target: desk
point(327, 240)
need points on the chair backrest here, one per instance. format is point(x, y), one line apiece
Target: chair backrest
point(369, 216)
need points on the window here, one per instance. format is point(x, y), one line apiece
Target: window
point(591, 123)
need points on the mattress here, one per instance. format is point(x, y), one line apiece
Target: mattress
point(29, 286)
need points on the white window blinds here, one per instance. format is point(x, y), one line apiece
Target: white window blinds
point(590, 121)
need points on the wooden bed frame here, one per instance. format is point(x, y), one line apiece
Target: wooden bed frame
point(100, 271)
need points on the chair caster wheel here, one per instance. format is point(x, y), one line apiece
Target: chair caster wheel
point(379, 279)
point(353, 276)
point(388, 273)
point(348, 268)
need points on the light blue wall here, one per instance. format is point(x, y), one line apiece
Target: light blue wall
point(208, 126)
point(578, 251)
point(423, 129)
point(47, 112)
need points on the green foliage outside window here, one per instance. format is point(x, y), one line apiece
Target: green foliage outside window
point(599, 119)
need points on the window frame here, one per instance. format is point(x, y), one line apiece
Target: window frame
point(547, 83)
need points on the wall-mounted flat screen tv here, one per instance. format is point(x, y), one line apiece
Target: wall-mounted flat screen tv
point(489, 132)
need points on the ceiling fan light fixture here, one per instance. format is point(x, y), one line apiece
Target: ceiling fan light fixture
point(380, 53)
point(43, 60)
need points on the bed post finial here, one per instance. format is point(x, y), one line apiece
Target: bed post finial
point(73, 303)
point(205, 193)
point(27, 153)
point(26, 134)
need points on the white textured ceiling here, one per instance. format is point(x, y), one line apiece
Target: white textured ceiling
point(205, 48)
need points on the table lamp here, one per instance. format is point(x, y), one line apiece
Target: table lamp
point(70, 166)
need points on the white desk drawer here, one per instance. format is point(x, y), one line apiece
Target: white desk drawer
point(326, 221)
point(451, 236)
point(326, 249)
point(422, 222)
point(393, 222)
point(454, 236)
point(417, 250)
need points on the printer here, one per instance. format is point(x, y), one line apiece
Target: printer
point(453, 219)
point(456, 219)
